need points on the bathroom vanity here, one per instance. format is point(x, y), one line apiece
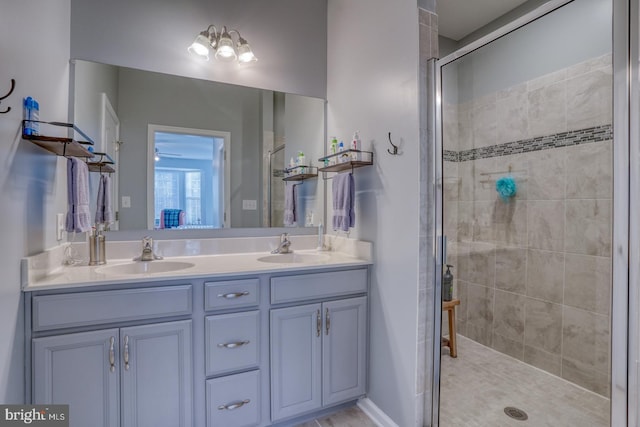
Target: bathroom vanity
point(256, 343)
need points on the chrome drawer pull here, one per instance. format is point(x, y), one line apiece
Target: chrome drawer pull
point(318, 323)
point(233, 344)
point(328, 316)
point(234, 405)
point(126, 352)
point(112, 355)
point(233, 295)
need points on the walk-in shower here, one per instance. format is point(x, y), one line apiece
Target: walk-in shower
point(527, 210)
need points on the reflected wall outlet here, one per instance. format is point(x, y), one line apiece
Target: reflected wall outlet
point(59, 225)
point(126, 201)
point(249, 205)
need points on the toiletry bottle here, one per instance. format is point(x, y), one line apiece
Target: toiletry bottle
point(333, 149)
point(35, 115)
point(27, 105)
point(301, 158)
point(447, 284)
point(355, 145)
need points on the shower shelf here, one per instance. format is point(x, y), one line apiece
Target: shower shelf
point(300, 173)
point(68, 147)
point(364, 158)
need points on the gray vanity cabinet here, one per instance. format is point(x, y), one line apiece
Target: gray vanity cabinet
point(137, 374)
point(147, 368)
point(318, 355)
point(75, 369)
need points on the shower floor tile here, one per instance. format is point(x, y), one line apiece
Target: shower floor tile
point(477, 386)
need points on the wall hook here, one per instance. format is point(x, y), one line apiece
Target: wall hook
point(13, 86)
point(395, 147)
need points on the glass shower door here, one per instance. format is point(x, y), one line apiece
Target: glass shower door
point(527, 211)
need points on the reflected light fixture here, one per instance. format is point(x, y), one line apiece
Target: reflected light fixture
point(222, 44)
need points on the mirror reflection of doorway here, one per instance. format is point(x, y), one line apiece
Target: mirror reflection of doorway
point(527, 173)
point(189, 178)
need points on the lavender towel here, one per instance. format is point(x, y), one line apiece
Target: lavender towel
point(104, 210)
point(78, 213)
point(290, 204)
point(343, 191)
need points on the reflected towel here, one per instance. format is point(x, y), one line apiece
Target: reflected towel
point(343, 191)
point(104, 211)
point(78, 213)
point(290, 204)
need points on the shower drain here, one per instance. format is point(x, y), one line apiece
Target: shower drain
point(515, 413)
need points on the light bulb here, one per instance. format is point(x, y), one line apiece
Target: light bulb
point(244, 53)
point(200, 46)
point(225, 50)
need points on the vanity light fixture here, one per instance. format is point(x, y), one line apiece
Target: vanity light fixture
point(222, 44)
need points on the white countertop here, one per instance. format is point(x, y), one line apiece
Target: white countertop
point(41, 273)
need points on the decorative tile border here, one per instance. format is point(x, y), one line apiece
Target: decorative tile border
point(557, 140)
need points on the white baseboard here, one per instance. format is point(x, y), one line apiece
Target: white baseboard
point(377, 416)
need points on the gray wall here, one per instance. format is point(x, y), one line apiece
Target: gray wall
point(90, 80)
point(373, 87)
point(576, 31)
point(288, 36)
point(175, 101)
point(32, 181)
point(304, 131)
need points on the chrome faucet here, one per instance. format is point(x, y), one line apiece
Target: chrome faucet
point(283, 247)
point(147, 250)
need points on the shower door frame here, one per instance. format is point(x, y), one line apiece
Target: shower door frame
point(625, 319)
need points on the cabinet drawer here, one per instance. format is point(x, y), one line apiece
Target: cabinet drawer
point(234, 401)
point(317, 285)
point(94, 308)
point(232, 342)
point(231, 294)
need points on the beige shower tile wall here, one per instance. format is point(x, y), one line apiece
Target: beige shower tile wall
point(534, 275)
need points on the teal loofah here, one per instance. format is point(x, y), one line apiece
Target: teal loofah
point(506, 187)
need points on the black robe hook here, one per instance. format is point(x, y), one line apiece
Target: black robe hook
point(13, 86)
point(395, 147)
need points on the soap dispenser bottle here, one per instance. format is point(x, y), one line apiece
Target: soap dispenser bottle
point(447, 284)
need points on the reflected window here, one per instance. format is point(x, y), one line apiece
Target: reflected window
point(188, 178)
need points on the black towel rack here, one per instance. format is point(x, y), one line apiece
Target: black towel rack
point(101, 162)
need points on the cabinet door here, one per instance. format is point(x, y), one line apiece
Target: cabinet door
point(80, 370)
point(157, 382)
point(344, 350)
point(296, 337)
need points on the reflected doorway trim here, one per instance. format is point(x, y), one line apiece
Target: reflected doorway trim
point(106, 110)
point(625, 347)
point(151, 129)
point(269, 198)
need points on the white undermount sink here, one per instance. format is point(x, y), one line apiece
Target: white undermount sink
point(294, 258)
point(145, 267)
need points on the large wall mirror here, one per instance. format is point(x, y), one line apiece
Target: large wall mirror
point(197, 154)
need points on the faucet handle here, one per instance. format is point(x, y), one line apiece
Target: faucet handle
point(147, 242)
point(284, 237)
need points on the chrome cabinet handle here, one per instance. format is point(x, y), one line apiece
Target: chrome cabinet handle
point(328, 322)
point(233, 344)
point(233, 295)
point(112, 355)
point(234, 405)
point(126, 352)
point(318, 323)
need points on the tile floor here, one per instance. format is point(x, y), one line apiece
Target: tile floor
point(350, 417)
point(477, 386)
